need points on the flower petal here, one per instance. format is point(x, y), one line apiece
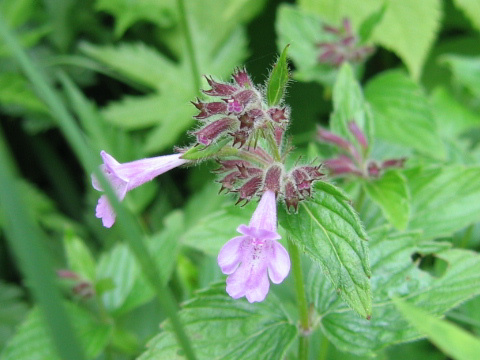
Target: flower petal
point(230, 255)
point(257, 233)
point(265, 215)
point(237, 283)
point(278, 262)
point(260, 287)
point(105, 212)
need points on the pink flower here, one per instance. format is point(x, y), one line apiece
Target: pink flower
point(127, 176)
point(249, 258)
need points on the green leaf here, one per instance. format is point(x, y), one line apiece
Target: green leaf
point(370, 23)
point(471, 9)
point(395, 31)
point(395, 275)
point(444, 200)
point(349, 105)
point(391, 193)
point(79, 258)
point(402, 113)
point(128, 12)
point(203, 152)
point(32, 342)
point(119, 265)
point(12, 310)
point(217, 228)
point(452, 117)
point(223, 328)
point(278, 79)
point(466, 70)
point(451, 339)
point(327, 228)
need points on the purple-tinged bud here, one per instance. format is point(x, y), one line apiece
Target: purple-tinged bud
point(313, 172)
point(243, 97)
point(229, 181)
point(84, 290)
point(227, 165)
point(302, 181)
point(348, 41)
point(347, 26)
point(273, 178)
point(233, 106)
point(67, 274)
point(219, 89)
point(373, 169)
point(240, 137)
point(209, 109)
point(292, 197)
point(327, 56)
point(248, 119)
point(278, 114)
point(342, 165)
point(330, 29)
point(210, 132)
point(393, 163)
point(249, 189)
point(278, 134)
point(358, 133)
point(242, 79)
point(327, 136)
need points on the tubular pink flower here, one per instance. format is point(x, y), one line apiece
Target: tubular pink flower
point(251, 259)
point(127, 176)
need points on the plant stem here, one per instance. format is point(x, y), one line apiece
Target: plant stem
point(301, 300)
point(189, 43)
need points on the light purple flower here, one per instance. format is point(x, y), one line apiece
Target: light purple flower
point(249, 258)
point(127, 176)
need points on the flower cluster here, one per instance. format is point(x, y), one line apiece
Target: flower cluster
point(252, 156)
point(352, 161)
point(345, 47)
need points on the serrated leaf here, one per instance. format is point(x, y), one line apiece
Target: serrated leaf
point(452, 117)
point(278, 79)
point(471, 9)
point(451, 339)
point(395, 275)
point(402, 114)
point(349, 105)
point(79, 258)
point(223, 328)
point(444, 200)
point(128, 12)
point(32, 342)
point(466, 70)
point(119, 265)
point(410, 43)
point(391, 193)
point(327, 228)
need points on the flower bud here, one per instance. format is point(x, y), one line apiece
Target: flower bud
point(249, 189)
point(219, 89)
point(358, 133)
point(229, 181)
point(243, 97)
point(373, 169)
point(292, 197)
point(242, 79)
point(240, 137)
point(273, 178)
point(395, 163)
point(210, 132)
point(209, 109)
point(278, 114)
point(248, 119)
point(342, 165)
point(233, 106)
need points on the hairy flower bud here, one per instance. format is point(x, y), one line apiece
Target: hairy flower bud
point(249, 189)
point(358, 133)
point(273, 178)
point(210, 132)
point(278, 114)
point(292, 197)
point(219, 89)
point(209, 109)
point(395, 163)
point(242, 79)
point(240, 137)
